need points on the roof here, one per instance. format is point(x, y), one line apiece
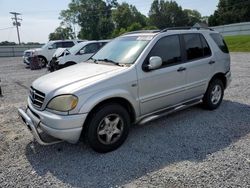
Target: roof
point(181, 29)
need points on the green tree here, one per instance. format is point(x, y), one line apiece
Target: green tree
point(61, 34)
point(193, 16)
point(7, 43)
point(93, 16)
point(164, 14)
point(230, 11)
point(127, 18)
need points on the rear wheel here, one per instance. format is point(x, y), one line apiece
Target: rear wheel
point(214, 95)
point(108, 128)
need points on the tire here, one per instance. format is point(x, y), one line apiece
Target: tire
point(42, 61)
point(214, 95)
point(105, 132)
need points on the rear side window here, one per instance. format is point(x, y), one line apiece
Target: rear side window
point(168, 48)
point(193, 46)
point(206, 49)
point(67, 44)
point(220, 42)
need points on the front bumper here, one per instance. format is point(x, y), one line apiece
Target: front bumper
point(64, 128)
point(26, 60)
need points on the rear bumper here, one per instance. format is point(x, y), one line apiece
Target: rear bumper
point(63, 128)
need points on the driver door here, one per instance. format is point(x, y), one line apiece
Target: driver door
point(165, 86)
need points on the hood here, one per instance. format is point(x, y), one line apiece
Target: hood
point(73, 78)
point(59, 52)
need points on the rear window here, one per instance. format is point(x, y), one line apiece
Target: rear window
point(220, 42)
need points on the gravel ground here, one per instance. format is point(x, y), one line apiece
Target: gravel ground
point(191, 148)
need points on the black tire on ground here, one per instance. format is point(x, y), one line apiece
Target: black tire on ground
point(42, 61)
point(214, 95)
point(101, 126)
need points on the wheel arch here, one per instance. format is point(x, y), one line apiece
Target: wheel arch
point(221, 76)
point(115, 100)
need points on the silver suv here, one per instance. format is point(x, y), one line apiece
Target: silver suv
point(137, 77)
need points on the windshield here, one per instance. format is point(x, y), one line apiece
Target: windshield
point(123, 50)
point(77, 47)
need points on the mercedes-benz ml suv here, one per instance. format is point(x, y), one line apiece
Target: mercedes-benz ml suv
point(137, 77)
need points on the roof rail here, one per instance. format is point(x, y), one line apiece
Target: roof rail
point(142, 31)
point(185, 28)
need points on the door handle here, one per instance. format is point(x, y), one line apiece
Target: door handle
point(211, 62)
point(181, 69)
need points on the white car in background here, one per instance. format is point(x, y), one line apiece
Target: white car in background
point(45, 53)
point(77, 54)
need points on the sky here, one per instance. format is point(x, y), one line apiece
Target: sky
point(39, 18)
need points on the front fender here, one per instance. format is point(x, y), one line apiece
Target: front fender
point(99, 97)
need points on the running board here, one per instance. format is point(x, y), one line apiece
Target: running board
point(170, 110)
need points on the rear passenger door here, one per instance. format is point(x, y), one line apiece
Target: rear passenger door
point(165, 86)
point(199, 63)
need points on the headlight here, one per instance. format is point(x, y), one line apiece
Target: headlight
point(63, 103)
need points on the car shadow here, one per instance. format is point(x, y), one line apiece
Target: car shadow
point(189, 135)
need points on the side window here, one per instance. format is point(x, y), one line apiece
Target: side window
point(168, 48)
point(67, 44)
point(220, 42)
point(57, 45)
point(193, 46)
point(206, 49)
point(91, 48)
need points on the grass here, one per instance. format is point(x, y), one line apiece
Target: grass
point(238, 43)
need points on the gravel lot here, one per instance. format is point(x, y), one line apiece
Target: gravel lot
point(191, 148)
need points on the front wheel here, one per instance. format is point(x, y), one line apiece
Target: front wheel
point(108, 128)
point(42, 62)
point(214, 95)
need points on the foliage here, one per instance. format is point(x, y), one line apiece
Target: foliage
point(230, 11)
point(167, 14)
point(61, 34)
point(93, 16)
point(127, 18)
point(193, 16)
point(100, 19)
point(7, 43)
point(238, 43)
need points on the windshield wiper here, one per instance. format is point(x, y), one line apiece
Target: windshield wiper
point(108, 61)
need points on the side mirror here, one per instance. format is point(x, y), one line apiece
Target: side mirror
point(155, 62)
point(82, 51)
point(50, 47)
